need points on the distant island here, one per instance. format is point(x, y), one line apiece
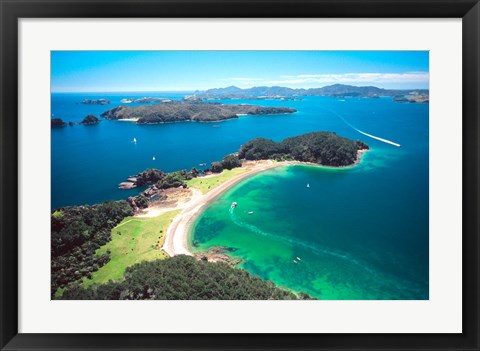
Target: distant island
point(202, 97)
point(178, 111)
point(57, 122)
point(89, 120)
point(144, 100)
point(336, 90)
point(412, 98)
point(96, 102)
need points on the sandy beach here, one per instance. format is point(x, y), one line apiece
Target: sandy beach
point(134, 119)
point(177, 199)
point(176, 240)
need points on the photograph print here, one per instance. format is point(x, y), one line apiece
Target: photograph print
point(239, 175)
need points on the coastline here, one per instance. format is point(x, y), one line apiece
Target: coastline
point(176, 237)
point(133, 119)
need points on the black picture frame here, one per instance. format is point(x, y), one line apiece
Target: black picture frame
point(11, 11)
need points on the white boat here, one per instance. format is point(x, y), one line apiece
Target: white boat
point(308, 185)
point(295, 262)
point(250, 213)
point(153, 158)
point(134, 140)
point(234, 204)
point(298, 258)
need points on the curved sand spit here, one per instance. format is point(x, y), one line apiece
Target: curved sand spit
point(176, 238)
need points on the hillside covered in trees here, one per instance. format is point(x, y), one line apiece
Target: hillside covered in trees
point(196, 111)
point(324, 148)
point(76, 233)
point(184, 278)
point(335, 90)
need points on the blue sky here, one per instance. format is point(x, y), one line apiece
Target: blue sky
point(110, 71)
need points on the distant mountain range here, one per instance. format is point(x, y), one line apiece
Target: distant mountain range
point(336, 90)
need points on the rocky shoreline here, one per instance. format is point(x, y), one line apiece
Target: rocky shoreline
point(219, 254)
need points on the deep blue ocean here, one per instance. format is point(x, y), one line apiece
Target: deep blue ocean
point(368, 225)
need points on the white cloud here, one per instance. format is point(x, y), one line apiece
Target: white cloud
point(319, 80)
point(358, 78)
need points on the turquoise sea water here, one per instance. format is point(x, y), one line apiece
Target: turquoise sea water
point(360, 232)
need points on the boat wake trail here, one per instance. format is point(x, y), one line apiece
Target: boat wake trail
point(361, 132)
point(303, 244)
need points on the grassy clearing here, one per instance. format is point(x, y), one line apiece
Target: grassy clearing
point(57, 214)
point(207, 184)
point(59, 293)
point(134, 240)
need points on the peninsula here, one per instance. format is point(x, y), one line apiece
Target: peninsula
point(195, 111)
point(172, 202)
point(323, 148)
point(259, 155)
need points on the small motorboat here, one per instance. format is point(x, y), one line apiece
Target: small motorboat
point(308, 185)
point(250, 213)
point(134, 140)
point(234, 204)
point(298, 258)
point(153, 158)
point(295, 262)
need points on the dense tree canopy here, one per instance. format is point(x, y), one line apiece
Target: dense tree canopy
point(324, 148)
point(183, 278)
point(76, 233)
point(179, 111)
point(216, 167)
point(231, 161)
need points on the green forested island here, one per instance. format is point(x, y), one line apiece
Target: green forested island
point(182, 111)
point(324, 148)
